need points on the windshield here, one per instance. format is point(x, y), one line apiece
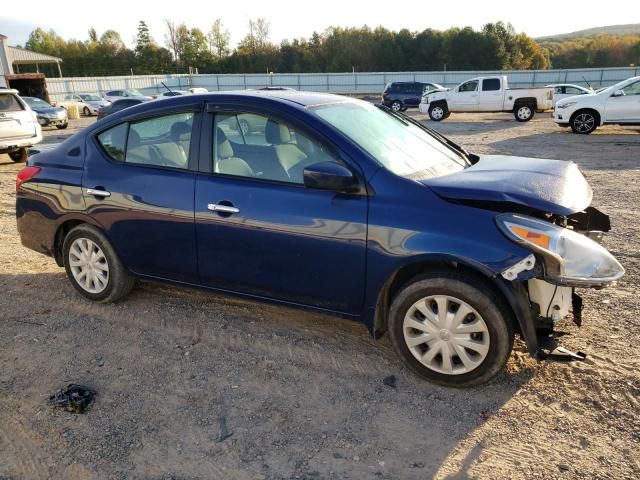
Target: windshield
point(90, 98)
point(34, 102)
point(396, 144)
point(133, 92)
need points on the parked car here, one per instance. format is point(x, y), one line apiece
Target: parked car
point(487, 94)
point(196, 90)
point(88, 103)
point(342, 207)
point(564, 90)
point(618, 104)
point(47, 114)
point(19, 127)
point(129, 93)
point(119, 105)
point(401, 95)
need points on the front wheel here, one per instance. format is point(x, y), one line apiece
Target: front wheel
point(438, 112)
point(62, 126)
point(93, 266)
point(523, 113)
point(451, 329)
point(86, 112)
point(583, 122)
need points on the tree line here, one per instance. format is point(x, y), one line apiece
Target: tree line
point(496, 46)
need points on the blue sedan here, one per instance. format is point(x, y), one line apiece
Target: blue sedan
point(327, 203)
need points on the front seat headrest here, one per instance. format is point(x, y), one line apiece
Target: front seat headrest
point(276, 133)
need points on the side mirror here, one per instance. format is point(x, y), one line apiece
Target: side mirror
point(330, 176)
point(618, 93)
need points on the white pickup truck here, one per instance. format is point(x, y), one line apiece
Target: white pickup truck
point(487, 94)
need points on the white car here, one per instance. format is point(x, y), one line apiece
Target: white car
point(88, 103)
point(564, 90)
point(487, 94)
point(618, 105)
point(19, 127)
point(169, 94)
point(113, 95)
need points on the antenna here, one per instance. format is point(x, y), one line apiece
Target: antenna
point(587, 82)
point(171, 91)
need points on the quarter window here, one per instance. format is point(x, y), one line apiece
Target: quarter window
point(114, 141)
point(256, 146)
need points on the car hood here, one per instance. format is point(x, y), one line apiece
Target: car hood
point(552, 186)
point(48, 109)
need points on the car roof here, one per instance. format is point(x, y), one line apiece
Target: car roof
point(566, 85)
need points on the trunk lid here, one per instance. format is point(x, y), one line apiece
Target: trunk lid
point(552, 186)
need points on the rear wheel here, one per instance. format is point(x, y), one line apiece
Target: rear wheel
point(396, 106)
point(438, 112)
point(86, 112)
point(523, 113)
point(451, 329)
point(93, 266)
point(583, 122)
point(19, 155)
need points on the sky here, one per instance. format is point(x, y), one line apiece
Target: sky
point(298, 18)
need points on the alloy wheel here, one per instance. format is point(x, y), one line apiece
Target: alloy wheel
point(584, 122)
point(437, 113)
point(524, 113)
point(446, 334)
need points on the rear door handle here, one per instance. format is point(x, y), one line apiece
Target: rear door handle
point(98, 193)
point(218, 208)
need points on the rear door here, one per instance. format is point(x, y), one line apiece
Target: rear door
point(414, 94)
point(465, 97)
point(16, 119)
point(139, 184)
point(260, 231)
point(491, 94)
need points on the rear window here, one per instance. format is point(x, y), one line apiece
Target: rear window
point(10, 103)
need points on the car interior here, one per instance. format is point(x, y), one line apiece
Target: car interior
point(267, 150)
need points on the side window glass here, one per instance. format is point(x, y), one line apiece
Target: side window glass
point(161, 141)
point(255, 146)
point(490, 84)
point(471, 86)
point(633, 89)
point(114, 141)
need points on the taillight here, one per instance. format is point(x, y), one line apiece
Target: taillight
point(26, 173)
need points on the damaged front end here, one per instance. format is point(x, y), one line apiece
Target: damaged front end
point(566, 254)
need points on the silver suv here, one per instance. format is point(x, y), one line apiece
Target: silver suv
point(19, 128)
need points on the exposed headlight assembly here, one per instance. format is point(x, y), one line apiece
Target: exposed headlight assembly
point(565, 105)
point(570, 258)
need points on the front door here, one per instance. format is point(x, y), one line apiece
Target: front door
point(626, 106)
point(261, 232)
point(138, 185)
point(465, 97)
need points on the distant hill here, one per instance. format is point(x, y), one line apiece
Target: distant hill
point(628, 29)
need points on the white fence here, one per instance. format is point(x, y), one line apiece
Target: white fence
point(347, 83)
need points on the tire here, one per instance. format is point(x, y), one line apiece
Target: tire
point(396, 106)
point(487, 317)
point(86, 112)
point(438, 112)
point(245, 128)
point(524, 113)
point(19, 155)
point(63, 126)
point(111, 286)
point(583, 122)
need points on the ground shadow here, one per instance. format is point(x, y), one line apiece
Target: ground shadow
point(196, 384)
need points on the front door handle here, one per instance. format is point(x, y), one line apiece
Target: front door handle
point(98, 193)
point(220, 208)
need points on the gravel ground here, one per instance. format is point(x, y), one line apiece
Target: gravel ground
point(199, 385)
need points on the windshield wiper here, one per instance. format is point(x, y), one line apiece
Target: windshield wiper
point(468, 157)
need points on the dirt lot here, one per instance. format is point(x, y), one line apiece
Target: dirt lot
point(198, 385)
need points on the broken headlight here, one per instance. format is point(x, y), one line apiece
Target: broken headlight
point(570, 258)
